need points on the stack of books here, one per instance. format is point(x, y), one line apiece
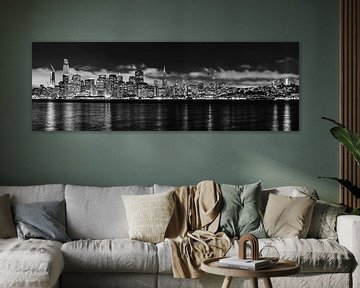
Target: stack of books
point(248, 264)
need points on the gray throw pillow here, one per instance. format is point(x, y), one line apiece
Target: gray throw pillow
point(323, 222)
point(44, 220)
point(7, 226)
point(240, 213)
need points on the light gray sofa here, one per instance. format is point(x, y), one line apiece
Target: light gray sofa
point(101, 254)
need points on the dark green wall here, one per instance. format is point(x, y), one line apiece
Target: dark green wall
point(122, 158)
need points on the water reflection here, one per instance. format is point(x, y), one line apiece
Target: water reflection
point(185, 119)
point(50, 117)
point(167, 116)
point(275, 122)
point(68, 117)
point(210, 118)
point(287, 117)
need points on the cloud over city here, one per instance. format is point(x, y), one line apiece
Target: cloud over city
point(244, 75)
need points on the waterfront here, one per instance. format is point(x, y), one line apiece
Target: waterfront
point(166, 116)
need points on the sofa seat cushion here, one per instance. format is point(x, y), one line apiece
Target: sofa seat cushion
point(115, 255)
point(30, 263)
point(313, 255)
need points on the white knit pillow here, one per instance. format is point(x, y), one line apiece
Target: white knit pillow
point(149, 215)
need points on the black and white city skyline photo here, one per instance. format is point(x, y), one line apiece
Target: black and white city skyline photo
point(165, 86)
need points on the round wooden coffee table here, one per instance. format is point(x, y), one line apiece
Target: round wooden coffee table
point(281, 268)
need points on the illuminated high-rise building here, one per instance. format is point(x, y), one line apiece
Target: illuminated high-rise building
point(66, 67)
point(89, 83)
point(113, 85)
point(112, 78)
point(76, 78)
point(119, 79)
point(102, 77)
point(139, 76)
point(164, 80)
point(76, 83)
point(90, 86)
point(52, 77)
point(65, 79)
point(132, 79)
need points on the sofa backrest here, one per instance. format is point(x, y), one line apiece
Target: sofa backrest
point(98, 212)
point(162, 188)
point(35, 193)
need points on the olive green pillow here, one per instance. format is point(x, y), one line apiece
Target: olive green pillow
point(240, 212)
point(7, 226)
point(288, 217)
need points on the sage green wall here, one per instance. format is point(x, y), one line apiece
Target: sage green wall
point(124, 158)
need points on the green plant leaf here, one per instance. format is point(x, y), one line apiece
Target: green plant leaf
point(347, 184)
point(355, 211)
point(348, 138)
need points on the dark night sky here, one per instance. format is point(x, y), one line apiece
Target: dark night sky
point(181, 57)
point(236, 63)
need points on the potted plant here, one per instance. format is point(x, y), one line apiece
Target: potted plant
point(351, 141)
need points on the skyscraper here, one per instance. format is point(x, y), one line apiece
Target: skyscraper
point(139, 76)
point(66, 67)
point(164, 80)
point(52, 77)
point(119, 78)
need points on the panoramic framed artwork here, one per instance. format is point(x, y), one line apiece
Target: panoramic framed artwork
point(165, 86)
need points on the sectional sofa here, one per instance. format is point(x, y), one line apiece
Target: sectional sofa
point(100, 253)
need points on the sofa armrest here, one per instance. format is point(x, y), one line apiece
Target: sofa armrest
point(348, 230)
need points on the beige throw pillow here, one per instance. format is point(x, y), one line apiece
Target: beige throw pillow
point(7, 226)
point(149, 215)
point(288, 217)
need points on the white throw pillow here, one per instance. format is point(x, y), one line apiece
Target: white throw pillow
point(149, 215)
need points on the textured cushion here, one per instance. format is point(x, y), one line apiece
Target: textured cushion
point(287, 216)
point(291, 191)
point(149, 215)
point(240, 210)
point(98, 213)
point(323, 222)
point(313, 255)
point(36, 193)
point(33, 263)
point(44, 220)
point(117, 255)
point(7, 227)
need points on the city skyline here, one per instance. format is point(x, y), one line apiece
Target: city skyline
point(237, 64)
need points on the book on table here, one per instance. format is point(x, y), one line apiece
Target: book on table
point(249, 264)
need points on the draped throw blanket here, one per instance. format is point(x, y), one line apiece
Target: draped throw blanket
point(191, 231)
